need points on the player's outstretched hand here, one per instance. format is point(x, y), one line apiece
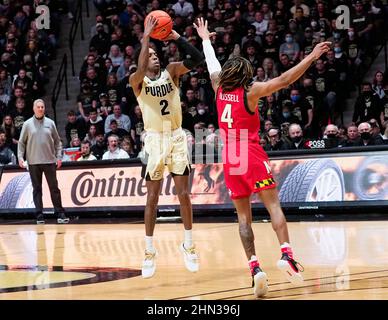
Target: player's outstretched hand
point(149, 26)
point(202, 29)
point(320, 49)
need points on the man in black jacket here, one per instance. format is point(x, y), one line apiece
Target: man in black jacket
point(367, 105)
point(366, 138)
point(296, 136)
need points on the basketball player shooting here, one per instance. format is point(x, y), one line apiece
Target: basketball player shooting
point(157, 92)
point(239, 122)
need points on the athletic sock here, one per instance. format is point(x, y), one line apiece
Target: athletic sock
point(149, 244)
point(286, 248)
point(188, 243)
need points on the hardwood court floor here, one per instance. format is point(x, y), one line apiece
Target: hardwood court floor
point(342, 260)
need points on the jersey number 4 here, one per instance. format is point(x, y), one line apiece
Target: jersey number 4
point(164, 105)
point(227, 115)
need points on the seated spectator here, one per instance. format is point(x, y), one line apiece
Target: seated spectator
point(183, 8)
point(101, 40)
point(75, 142)
point(302, 110)
point(285, 114)
point(114, 151)
point(123, 120)
point(123, 70)
point(96, 120)
point(113, 89)
point(331, 137)
point(115, 130)
point(300, 4)
point(295, 133)
point(290, 47)
point(86, 154)
point(99, 148)
point(263, 141)
point(8, 127)
point(19, 115)
point(352, 135)
point(104, 107)
point(366, 138)
point(75, 127)
point(137, 127)
point(86, 101)
point(127, 146)
point(362, 23)
point(116, 56)
point(275, 143)
point(384, 106)
point(6, 154)
point(378, 84)
point(260, 75)
point(99, 19)
point(367, 105)
point(91, 135)
point(4, 98)
point(376, 131)
point(202, 114)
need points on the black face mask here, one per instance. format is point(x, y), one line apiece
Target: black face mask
point(296, 139)
point(367, 93)
point(331, 135)
point(365, 135)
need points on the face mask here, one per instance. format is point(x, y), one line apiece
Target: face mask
point(288, 39)
point(336, 35)
point(337, 50)
point(314, 24)
point(365, 135)
point(331, 135)
point(295, 98)
point(201, 111)
point(367, 93)
point(296, 139)
point(286, 114)
point(350, 33)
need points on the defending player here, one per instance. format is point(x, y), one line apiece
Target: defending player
point(236, 99)
point(165, 143)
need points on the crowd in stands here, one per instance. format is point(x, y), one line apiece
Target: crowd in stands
point(26, 50)
point(273, 35)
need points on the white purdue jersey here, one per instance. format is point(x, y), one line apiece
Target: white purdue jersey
point(160, 103)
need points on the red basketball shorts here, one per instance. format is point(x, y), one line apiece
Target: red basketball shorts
point(251, 173)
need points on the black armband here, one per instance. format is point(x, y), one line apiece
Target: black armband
point(196, 56)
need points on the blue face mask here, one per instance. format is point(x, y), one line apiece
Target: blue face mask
point(337, 50)
point(337, 35)
point(286, 114)
point(295, 98)
point(288, 39)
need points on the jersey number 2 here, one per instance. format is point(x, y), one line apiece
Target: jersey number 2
point(227, 115)
point(164, 105)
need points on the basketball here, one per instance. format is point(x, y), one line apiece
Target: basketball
point(164, 25)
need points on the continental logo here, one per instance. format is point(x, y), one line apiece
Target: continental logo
point(87, 186)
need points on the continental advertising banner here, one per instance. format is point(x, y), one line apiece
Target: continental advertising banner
point(309, 180)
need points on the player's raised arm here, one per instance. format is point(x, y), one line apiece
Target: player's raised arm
point(137, 77)
point(261, 89)
point(213, 65)
point(176, 69)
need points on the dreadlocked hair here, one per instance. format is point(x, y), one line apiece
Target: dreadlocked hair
point(236, 72)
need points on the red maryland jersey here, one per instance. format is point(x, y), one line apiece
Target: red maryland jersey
point(235, 120)
point(246, 165)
